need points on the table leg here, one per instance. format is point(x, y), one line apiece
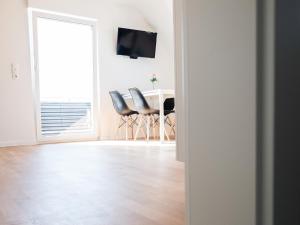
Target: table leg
point(161, 118)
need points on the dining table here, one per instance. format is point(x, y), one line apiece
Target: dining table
point(158, 95)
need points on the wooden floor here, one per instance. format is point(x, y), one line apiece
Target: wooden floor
point(91, 184)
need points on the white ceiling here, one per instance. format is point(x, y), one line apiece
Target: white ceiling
point(158, 13)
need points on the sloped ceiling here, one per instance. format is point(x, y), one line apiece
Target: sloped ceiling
point(158, 14)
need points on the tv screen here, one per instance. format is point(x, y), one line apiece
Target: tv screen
point(135, 43)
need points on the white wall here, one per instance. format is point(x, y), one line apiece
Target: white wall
point(16, 106)
point(221, 119)
point(116, 72)
point(119, 72)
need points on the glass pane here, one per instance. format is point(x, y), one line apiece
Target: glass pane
point(65, 52)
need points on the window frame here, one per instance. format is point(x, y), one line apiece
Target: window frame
point(33, 16)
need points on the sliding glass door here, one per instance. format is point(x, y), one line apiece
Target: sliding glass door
point(66, 77)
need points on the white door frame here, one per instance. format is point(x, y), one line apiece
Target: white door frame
point(181, 90)
point(182, 102)
point(34, 14)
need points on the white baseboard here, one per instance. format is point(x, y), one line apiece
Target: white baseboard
point(17, 143)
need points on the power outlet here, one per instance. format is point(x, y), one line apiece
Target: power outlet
point(15, 71)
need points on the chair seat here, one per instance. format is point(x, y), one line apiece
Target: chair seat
point(147, 112)
point(129, 112)
point(168, 112)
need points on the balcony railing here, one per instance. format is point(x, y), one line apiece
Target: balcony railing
point(65, 117)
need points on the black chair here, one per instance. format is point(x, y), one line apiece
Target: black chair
point(169, 108)
point(124, 111)
point(169, 105)
point(146, 113)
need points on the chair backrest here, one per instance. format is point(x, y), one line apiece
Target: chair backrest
point(169, 104)
point(118, 102)
point(139, 100)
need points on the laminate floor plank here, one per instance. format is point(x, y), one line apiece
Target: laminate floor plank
point(91, 184)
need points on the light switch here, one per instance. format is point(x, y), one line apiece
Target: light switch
point(15, 71)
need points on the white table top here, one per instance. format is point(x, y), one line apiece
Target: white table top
point(154, 92)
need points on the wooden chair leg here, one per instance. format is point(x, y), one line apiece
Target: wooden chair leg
point(132, 126)
point(167, 135)
point(148, 128)
point(144, 133)
point(153, 127)
point(172, 126)
point(167, 120)
point(145, 127)
point(118, 128)
point(138, 127)
point(132, 122)
point(126, 128)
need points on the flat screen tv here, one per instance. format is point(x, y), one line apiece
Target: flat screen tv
point(136, 43)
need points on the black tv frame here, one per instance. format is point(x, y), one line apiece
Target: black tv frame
point(134, 51)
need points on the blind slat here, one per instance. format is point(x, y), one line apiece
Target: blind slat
point(60, 117)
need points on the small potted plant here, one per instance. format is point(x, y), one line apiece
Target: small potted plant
point(154, 80)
